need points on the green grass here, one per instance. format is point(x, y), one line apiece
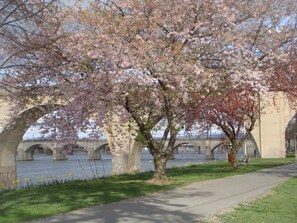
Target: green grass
point(279, 206)
point(28, 204)
point(290, 154)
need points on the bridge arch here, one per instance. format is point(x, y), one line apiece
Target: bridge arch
point(95, 152)
point(251, 149)
point(217, 146)
point(180, 144)
point(196, 144)
point(28, 153)
point(12, 135)
point(209, 150)
point(291, 135)
point(102, 147)
point(122, 146)
point(93, 147)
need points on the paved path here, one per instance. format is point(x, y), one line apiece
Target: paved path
point(183, 205)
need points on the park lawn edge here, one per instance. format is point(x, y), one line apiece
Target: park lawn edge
point(276, 205)
point(44, 201)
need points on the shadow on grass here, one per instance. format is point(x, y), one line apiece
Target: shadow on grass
point(21, 205)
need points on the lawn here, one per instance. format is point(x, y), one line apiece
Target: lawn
point(33, 203)
point(278, 206)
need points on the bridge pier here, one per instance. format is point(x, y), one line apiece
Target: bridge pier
point(197, 148)
point(119, 163)
point(57, 155)
point(208, 150)
point(7, 168)
point(134, 159)
point(94, 154)
point(7, 177)
point(209, 153)
point(24, 156)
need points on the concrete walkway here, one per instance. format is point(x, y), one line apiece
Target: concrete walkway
point(183, 205)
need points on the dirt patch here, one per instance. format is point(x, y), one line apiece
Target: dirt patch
point(160, 182)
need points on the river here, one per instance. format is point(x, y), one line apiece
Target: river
point(43, 169)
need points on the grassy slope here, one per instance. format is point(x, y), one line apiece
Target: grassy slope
point(279, 207)
point(28, 204)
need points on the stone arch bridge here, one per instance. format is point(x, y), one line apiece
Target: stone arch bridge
point(268, 135)
point(93, 148)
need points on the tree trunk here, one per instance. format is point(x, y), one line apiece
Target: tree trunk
point(160, 168)
point(232, 158)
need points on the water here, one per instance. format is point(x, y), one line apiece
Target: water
point(44, 169)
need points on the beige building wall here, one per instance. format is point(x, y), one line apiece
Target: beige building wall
point(269, 132)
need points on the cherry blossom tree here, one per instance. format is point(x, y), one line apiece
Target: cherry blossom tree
point(150, 62)
point(141, 60)
point(231, 110)
point(146, 61)
point(29, 29)
point(285, 79)
point(19, 20)
point(268, 32)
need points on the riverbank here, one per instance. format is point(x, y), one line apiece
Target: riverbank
point(43, 201)
point(43, 169)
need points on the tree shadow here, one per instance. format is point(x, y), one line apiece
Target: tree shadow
point(282, 171)
point(155, 208)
